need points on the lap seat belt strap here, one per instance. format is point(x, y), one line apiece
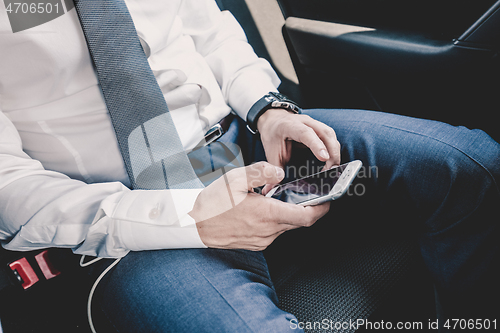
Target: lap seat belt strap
point(151, 148)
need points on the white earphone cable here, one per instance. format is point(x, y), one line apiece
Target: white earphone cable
point(91, 294)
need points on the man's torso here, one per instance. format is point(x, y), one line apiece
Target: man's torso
point(49, 90)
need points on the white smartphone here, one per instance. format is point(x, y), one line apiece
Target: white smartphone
point(318, 188)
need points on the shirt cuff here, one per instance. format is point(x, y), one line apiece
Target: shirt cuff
point(153, 220)
point(251, 86)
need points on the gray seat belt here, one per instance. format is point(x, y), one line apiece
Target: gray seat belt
point(149, 143)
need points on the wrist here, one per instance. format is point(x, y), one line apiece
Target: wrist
point(272, 100)
point(270, 117)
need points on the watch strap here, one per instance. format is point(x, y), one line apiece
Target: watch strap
point(272, 100)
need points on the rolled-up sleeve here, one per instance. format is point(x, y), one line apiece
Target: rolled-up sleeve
point(41, 208)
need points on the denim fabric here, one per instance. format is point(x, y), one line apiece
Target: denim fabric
point(420, 177)
point(193, 290)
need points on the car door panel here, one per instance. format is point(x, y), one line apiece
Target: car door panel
point(441, 19)
point(448, 74)
point(485, 32)
point(318, 43)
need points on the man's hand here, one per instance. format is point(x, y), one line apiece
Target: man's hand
point(278, 128)
point(230, 215)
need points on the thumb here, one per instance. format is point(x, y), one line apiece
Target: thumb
point(263, 173)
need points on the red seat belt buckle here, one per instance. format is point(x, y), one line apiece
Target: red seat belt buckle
point(24, 272)
point(48, 270)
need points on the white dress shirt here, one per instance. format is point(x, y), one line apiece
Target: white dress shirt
point(62, 179)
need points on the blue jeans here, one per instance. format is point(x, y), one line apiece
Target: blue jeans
point(423, 177)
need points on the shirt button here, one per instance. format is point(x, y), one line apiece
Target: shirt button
point(154, 213)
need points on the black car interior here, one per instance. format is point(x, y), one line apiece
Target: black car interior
point(434, 59)
point(429, 59)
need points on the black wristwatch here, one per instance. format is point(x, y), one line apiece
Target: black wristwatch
point(272, 100)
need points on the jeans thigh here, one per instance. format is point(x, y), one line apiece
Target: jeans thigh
point(429, 171)
point(192, 290)
point(422, 178)
point(410, 166)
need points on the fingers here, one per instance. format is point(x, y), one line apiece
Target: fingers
point(267, 188)
point(328, 139)
point(293, 216)
point(279, 153)
point(298, 217)
point(255, 223)
point(262, 173)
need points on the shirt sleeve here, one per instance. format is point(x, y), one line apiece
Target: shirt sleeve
point(41, 208)
point(243, 77)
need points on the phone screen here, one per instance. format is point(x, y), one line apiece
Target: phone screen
point(308, 188)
